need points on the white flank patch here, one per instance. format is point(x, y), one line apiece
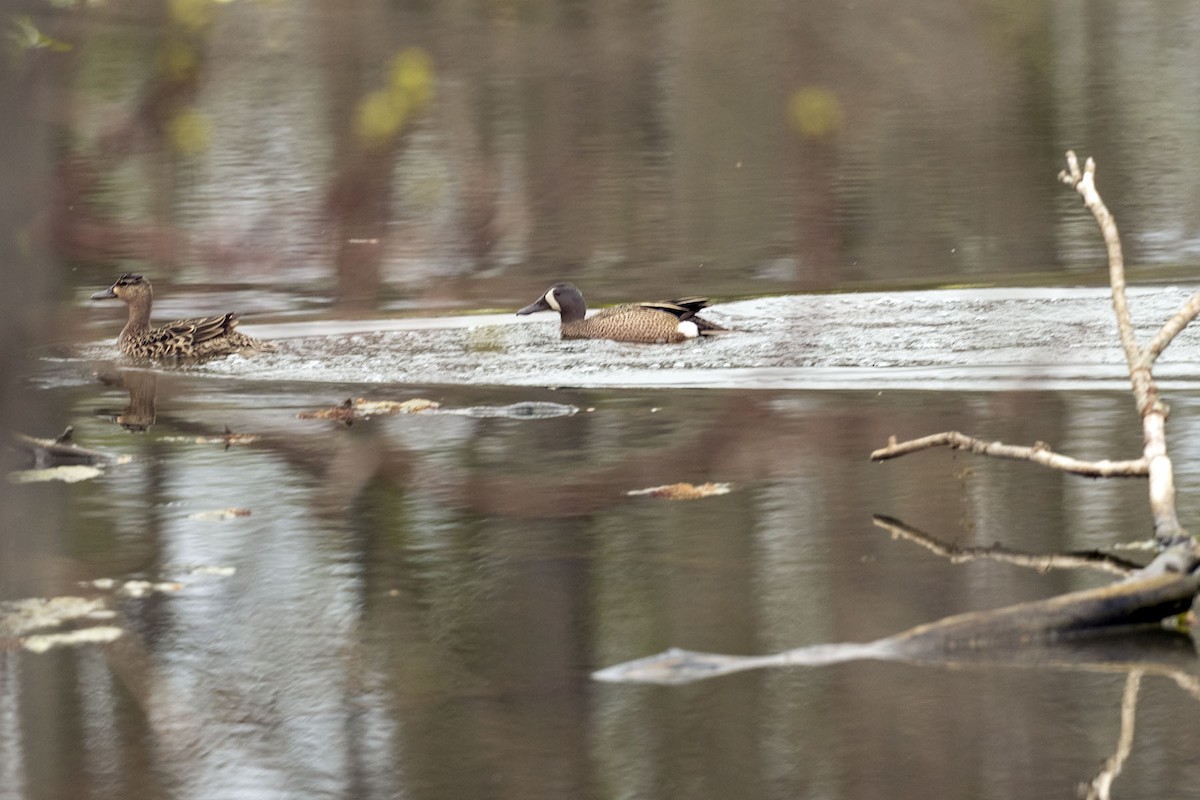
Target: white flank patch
point(689, 329)
point(553, 301)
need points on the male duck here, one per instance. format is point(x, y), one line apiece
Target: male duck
point(190, 339)
point(645, 323)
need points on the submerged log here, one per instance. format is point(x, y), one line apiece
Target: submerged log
point(1141, 601)
point(1125, 604)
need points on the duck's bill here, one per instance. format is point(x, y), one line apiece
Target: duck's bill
point(107, 294)
point(540, 305)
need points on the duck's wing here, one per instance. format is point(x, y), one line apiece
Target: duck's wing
point(686, 308)
point(211, 327)
point(181, 336)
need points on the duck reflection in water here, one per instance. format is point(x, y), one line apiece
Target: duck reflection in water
point(139, 414)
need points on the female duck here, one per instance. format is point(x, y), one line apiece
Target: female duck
point(644, 323)
point(190, 339)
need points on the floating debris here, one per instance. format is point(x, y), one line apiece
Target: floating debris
point(235, 438)
point(220, 514)
point(143, 588)
point(27, 622)
point(62, 451)
point(212, 569)
point(229, 438)
point(100, 634)
point(380, 408)
point(71, 474)
point(524, 410)
point(682, 491)
point(344, 412)
point(132, 588)
point(18, 617)
point(358, 407)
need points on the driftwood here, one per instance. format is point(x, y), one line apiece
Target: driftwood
point(61, 451)
point(1119, 606)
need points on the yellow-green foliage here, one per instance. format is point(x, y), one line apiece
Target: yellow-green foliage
point(26, 36)
point(194, 15)
point(189, 132)
point(384, 112)
point(816, 113)
point(177, 60)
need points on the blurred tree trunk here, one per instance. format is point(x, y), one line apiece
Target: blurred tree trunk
point(28, 519)
point(359, 198)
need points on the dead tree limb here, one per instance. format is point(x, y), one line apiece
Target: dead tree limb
point(1039, 453)
point(1172, 327)
point(1140, 360)
point(1155, 463)
point(1141, 600)
point(1084, 182)
point(1042, 562)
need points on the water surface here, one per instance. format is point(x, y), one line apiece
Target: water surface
point(416, 602)
point(413, 605)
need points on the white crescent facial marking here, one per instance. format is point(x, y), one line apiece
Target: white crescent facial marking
point(552, 301)
point(689, 329)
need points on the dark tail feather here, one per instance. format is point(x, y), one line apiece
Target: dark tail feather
point(684, 308)
point(709, 328)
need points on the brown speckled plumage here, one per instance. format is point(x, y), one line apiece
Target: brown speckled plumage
point(664, 322)
point(186, 339)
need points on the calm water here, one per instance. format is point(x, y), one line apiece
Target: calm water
point(412, 605)
point(416, 602)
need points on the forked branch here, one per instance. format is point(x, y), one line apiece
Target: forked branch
point(1154, 463)
point(1039, 453)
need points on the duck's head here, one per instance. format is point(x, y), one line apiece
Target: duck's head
point(128, 287)
point(561, 297)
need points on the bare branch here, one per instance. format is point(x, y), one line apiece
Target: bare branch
point(1088, 559)
point(1040, 453)
point(1162, 478)
point(1170, 329)
point(1145, 391)
point(1085, 183)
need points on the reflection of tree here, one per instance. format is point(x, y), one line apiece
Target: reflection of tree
point(30, 520)
point(1091, 559)
point(477, 594)
point(163, 127)
point(370, 130)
